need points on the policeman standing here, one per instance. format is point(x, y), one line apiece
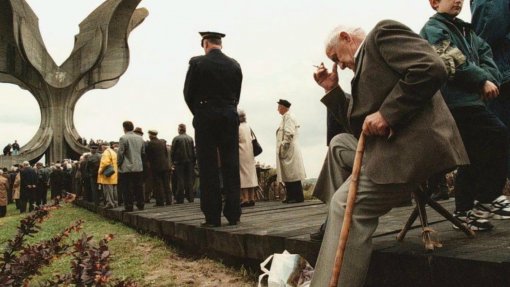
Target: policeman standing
point(211, 91)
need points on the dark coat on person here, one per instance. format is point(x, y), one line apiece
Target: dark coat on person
point(157, 155)
point(7, 149)
point(464, 89)
point(57, 181)
point(399, 74)
point(93, 163)
point(183, 149)
point(491, 21)
point(204, 74)
point(28, 182)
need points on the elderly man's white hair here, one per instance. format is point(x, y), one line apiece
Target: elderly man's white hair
point(332, 39)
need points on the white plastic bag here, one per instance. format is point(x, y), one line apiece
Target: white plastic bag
point(283, 267)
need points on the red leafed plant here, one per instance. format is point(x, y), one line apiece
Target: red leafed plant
point(89, 267)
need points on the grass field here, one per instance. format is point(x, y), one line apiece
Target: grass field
point(146, 259)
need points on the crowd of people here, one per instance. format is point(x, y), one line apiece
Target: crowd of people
point(142, 170)
point(428, 103)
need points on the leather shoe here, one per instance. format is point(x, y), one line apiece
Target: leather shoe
point(158, 205)
point(233, 222)
point(209, 225)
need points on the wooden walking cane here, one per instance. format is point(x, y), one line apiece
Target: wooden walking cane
point(351, 198)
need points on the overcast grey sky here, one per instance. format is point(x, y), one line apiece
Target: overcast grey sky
point(276, 42)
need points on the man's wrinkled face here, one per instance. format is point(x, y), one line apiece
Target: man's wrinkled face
point(450, 7)
point(343, 52)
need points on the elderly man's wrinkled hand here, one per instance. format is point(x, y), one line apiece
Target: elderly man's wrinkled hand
point(376, 125)
point(325, 79)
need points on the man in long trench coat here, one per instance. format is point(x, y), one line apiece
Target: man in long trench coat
point(289, 162)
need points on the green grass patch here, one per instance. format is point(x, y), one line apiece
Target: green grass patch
point(143, 258)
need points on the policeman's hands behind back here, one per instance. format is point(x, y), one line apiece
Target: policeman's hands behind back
point(489, 91)
point(325, 79)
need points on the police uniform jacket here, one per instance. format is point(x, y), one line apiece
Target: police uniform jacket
point(212, 79)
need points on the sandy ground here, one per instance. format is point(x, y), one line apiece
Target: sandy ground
point(180, 270)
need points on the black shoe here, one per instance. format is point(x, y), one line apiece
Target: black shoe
point(127, 209)
point(317, 236)
point(209, 225)
point(245, 204)
point(158, 205)
point(179, 201)
point(168, 203)
point(140, 207)
point(233, 222)
point(251, 203)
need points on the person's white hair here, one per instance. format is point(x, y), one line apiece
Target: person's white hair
point(332, 39)
point(1, 172)
point(26, 163)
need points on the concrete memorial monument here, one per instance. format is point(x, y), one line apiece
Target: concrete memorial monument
point(99, 58)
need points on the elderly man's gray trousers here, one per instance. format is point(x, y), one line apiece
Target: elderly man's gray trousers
point(372, 201)
point(337, 166)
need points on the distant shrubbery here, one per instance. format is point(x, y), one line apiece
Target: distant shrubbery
point(89, 265)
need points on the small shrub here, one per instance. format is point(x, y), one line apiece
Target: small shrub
point(89, 265)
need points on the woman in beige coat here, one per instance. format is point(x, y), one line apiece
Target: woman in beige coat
point(247, 168)
point(4, 187)
point(16, 189)
point(109, 184)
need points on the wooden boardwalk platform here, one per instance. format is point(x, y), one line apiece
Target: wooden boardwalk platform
point(271, 227)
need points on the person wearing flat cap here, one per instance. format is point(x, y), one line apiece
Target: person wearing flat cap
point(289, 162)
point(157, 157)
point(211, 91)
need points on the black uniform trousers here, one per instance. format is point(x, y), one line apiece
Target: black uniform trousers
point(485, 138)
point(184, 172)
point(217, 141)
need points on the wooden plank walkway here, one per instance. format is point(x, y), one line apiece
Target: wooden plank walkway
point(271, 227)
